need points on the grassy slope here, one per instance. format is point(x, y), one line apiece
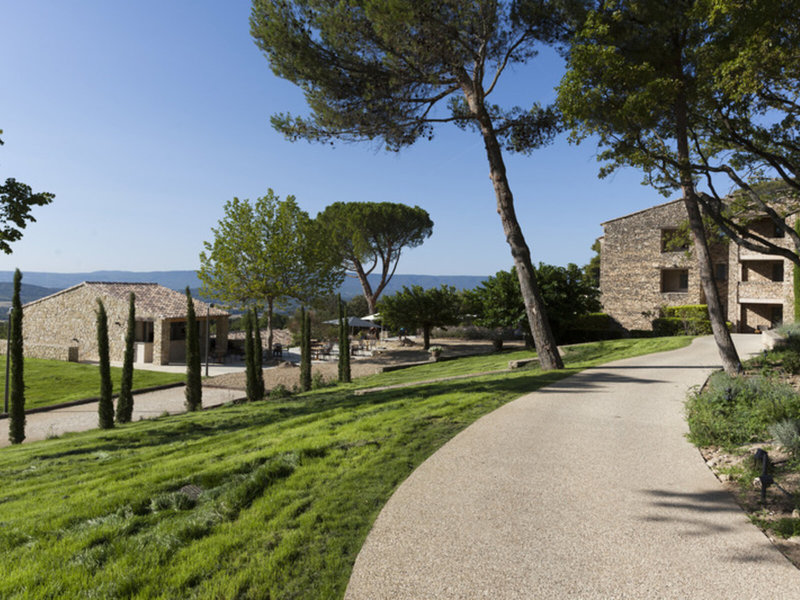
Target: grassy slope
point(291, 488)
point(52, 381)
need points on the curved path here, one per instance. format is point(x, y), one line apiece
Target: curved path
point(584, 489)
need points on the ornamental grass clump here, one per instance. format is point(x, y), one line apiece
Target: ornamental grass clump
point(787, 433)
point(736, 410)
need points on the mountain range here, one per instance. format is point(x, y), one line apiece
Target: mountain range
point(39, 284)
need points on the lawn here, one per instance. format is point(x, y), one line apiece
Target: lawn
point(49, 382)
point(288, 490)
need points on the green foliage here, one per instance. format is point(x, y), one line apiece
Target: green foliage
point(105, 407)
point(356, 306)
point(666, 326)
point(416, 307)
point(591, 271)
point(787, 432)
point(16, 202)
point(736, 410)
point(265, 253)
point(791, 362)
point(194, 387)
point(279, 392)
point(566, 291)
point(16, 423)
point(686, 311)
point(367, 235)
point(124, 412)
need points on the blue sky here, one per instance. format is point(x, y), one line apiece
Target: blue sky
point(144, 117)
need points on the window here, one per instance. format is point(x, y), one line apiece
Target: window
point(674, 240)
point(777, 271)
point(675, 280)
point(721, 272)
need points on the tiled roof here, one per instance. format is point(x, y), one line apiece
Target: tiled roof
point(152, 300)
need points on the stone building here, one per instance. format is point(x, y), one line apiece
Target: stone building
point(641, 270)
point(64, 325)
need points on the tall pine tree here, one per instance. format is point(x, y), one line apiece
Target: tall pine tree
point(305, 350)
point(105, 408)
point(16, 424)
point(194, 387)
point(125, 400)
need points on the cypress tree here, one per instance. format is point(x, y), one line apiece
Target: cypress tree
point(105, 408)
point(14, 353)
point(194, 387)
point(125, 400)
point(249, 359)
point(344, 344)
point(305, 350)
point(258, 358)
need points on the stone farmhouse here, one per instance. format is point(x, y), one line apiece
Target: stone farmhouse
point(64, 325)
point(641, 271)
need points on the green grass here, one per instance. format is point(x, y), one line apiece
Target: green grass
point(49, 382)
point(291, 488)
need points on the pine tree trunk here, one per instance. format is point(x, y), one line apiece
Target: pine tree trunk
point(369, 296)
point(722, 336)
point(249, 362)
point(194, 386)
point(546, 347)
point(426, 337)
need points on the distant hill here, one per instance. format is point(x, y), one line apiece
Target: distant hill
point(39, 284)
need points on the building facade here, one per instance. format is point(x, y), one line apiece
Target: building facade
point(64, 324)
point(644, 266)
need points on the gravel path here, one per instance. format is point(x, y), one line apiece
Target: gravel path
point(147, 405)
point(584, 489)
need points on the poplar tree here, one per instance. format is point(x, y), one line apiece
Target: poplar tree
point(344, 344)
point(125, 400)
point(16, 424)
point(105, 407)
point(194, 387)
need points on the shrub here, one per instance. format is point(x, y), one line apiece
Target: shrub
point(279, 391)
point(787, 432)
point(737, 410)
point(686, 311)
point(666, 326)
point(791, 362)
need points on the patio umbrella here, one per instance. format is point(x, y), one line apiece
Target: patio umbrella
point(355, 322)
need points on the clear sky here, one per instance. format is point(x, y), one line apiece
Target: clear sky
point(144, 117)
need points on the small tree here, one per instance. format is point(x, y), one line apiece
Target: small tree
point(194, 387)
point(105, 407)
point(344, 344)
point(16, 201)
point(125, 400)
point(416, 307)
point(258, 356)
point(16, 424)
point(368, 235)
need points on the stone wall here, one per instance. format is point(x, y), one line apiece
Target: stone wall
point(46, 351)
point(69, 318)
point(632, 260)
